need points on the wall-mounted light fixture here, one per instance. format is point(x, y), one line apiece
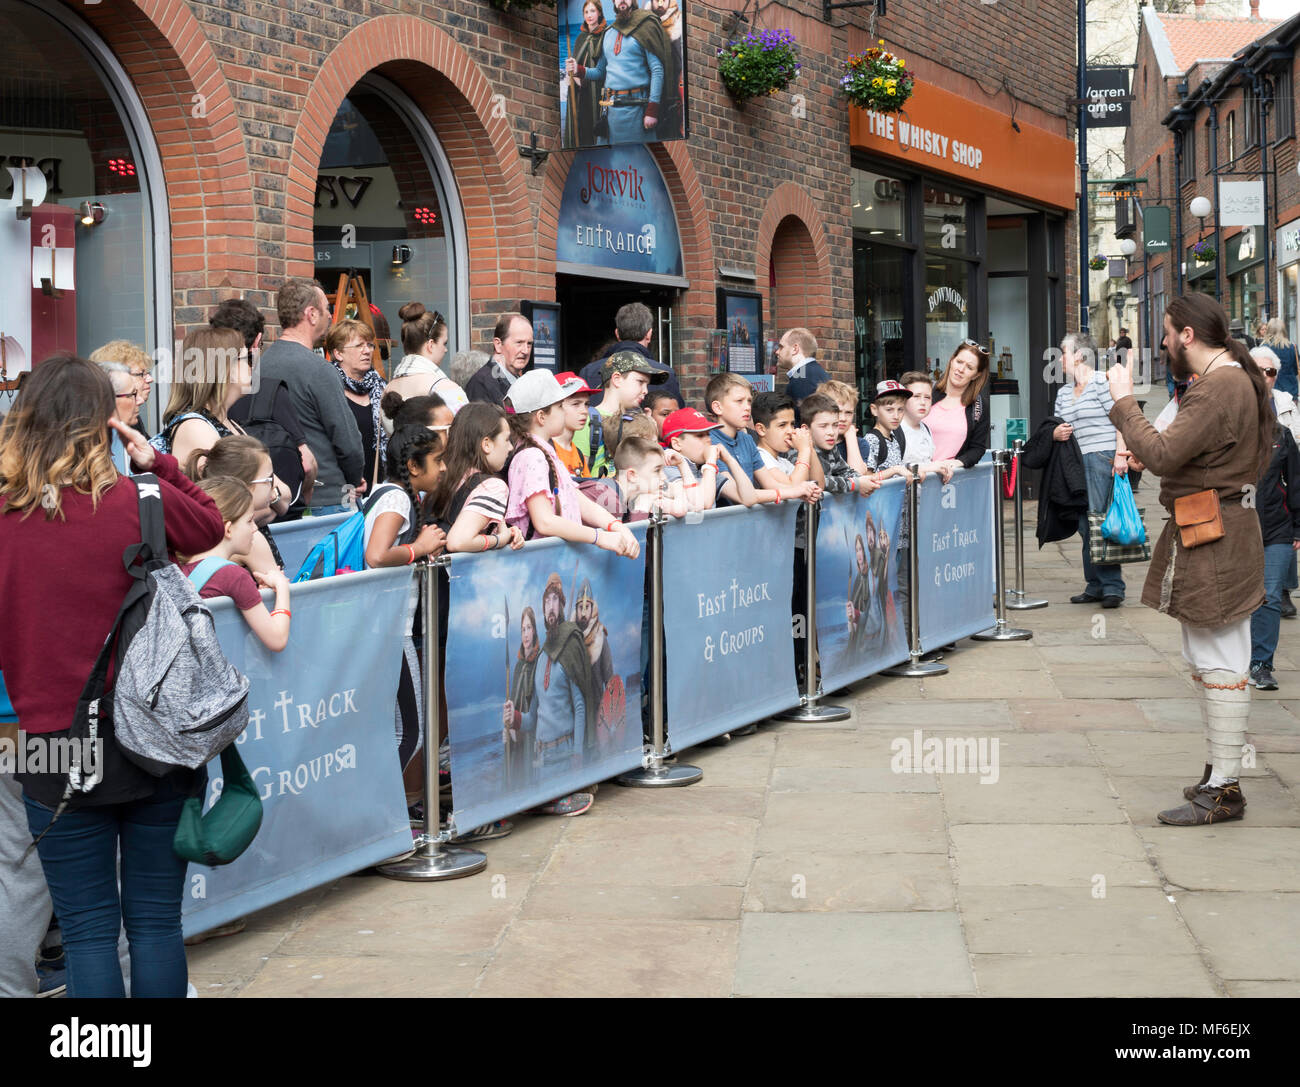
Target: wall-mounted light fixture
point(401, 255)
point(92, 213)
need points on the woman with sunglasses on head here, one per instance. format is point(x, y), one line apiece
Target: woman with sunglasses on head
point(959, 414)
point(424, 339)
point(350, 346)
point(1288, 414)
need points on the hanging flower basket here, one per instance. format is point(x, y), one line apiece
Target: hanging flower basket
point(514, 7)
point(760, 63)
point(876, 80)
point(1204, 252)
point(1097, 263)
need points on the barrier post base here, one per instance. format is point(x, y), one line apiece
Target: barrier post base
point(1002, 633)
point(659, 775)
point(1018, 601)
point(435, 861)
point(915, 668)
point(811, 709)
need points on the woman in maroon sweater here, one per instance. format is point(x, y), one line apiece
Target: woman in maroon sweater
point(66, 517)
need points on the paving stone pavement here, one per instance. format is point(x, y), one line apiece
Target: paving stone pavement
point(803, 864)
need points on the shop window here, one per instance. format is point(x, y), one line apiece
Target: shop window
point(1290, 301)
point(879, 203)
point(946, 215)
point(380, 213)
point(881, 285)
point(1187, 147)
point(947, 307)
point(1283, 112)
point(1231, 131)
point(1008, 244)
point(79, 251)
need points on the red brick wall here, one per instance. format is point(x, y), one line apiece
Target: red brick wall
point(241, 177)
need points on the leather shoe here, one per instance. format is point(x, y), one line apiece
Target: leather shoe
point(1111, 601)
point(1210, 805)
point(1084, 598)
point(1288, 608)
point(1190, 791)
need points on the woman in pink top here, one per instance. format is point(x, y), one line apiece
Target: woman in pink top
point(959, 416)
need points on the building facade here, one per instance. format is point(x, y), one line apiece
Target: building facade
point(167, 155)
point(1214, 100)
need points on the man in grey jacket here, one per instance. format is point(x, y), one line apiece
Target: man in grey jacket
point(317, 395)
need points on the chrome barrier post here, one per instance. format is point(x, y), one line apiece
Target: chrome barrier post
point(433, 859)
point(1000, 632)
point(1016, 600)
point(915, 668)
point(810, 708)
point(657, 772)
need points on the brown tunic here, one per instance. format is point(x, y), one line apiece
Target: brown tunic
point(1213, 443)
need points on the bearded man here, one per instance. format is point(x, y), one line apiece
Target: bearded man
point(639, 71)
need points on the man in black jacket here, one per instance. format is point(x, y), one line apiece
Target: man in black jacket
point(512, 347)
point(1279, 520)
point(634, 328)
point(795, 356)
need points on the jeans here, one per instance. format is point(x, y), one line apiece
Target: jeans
point(1266, 622)
point(1105, 580)
point(326, 511)
point(1292, 582)
point(80, 859)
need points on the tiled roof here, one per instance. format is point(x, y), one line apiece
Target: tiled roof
point(1193, 39)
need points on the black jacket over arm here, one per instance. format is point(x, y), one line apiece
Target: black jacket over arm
point(1279, 510)
point(1063, 496)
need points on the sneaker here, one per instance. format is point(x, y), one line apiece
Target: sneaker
point(573, 804)
point(487, 832)
point(745, 730)
point(718, 741)
point(52, 975)
point(228, 929)
point(1263, 679)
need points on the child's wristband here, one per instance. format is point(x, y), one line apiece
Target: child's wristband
point(281, 611)
point(853, 484)
point(610, 527)
point(411, 549)
point(801, 464)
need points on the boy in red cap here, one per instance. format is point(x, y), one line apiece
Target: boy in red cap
point(575, 418)
point(692, 460)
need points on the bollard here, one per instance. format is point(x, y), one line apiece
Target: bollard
point(433, 859)
point(1016, 597)
point(915, 668)
point(1000, 632)
point(657, 772)
point(810, 708)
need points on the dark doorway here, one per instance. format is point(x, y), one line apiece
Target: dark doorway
point(589, 306)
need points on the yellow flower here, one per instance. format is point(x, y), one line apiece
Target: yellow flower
point(890, 92)
point(881, 40)
point(902, 64)
point(876, 82)
point(891, 85)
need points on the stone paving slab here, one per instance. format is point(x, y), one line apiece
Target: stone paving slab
point(804, 864)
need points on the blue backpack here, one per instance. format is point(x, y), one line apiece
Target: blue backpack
point(344, 547)
point(7, 714)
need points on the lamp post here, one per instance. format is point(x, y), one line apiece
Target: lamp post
point(1201, 207)
point(1127, 246)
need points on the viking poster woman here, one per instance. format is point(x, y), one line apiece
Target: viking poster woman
point(583, 110)
point(519, 741)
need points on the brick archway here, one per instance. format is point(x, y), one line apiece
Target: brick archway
point(458, 100)
point(171, 65)
point(792, 248)
point(697, 313)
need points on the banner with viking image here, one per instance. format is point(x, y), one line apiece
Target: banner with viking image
point(319, 747)
point(956, 571)
point(859, 610)
point(622, 72)
point(543, 674)
point(727, 589)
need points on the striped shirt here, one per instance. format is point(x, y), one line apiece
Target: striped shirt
point(1089, 414)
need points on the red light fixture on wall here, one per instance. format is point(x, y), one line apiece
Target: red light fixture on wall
point(425, 216)
point(121, 167)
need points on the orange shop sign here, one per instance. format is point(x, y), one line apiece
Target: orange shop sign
point(945, 133)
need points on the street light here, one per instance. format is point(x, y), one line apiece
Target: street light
point(1127, 246)
point(1200, 207)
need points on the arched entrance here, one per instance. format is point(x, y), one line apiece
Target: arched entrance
point(387, 209)
point(83, 212)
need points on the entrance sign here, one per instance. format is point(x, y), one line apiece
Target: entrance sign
point(617, 220)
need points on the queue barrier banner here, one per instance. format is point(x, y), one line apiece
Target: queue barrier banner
point(727, 586)
point(956, 562)
point(320, 745)
point(295, 539)
point(859, 622)
point(550, 637)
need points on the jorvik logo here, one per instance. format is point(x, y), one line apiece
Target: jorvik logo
point(605, 179)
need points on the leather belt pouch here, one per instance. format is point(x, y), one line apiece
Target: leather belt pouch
point(1198, 518)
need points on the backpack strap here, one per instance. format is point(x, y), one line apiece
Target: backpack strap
point(383, 488)
point(205, 568)
point(262, 407)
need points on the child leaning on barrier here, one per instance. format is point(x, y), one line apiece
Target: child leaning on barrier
point(729, 397)
point(224, 577)
point(639, 464)
point(470, 501)
point(692, 463)
point(575, 419)
point(821, 415)
point(851, 447)
point(786, 451)
point(884, 441)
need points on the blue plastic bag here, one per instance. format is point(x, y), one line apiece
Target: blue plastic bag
point(1123, 523)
